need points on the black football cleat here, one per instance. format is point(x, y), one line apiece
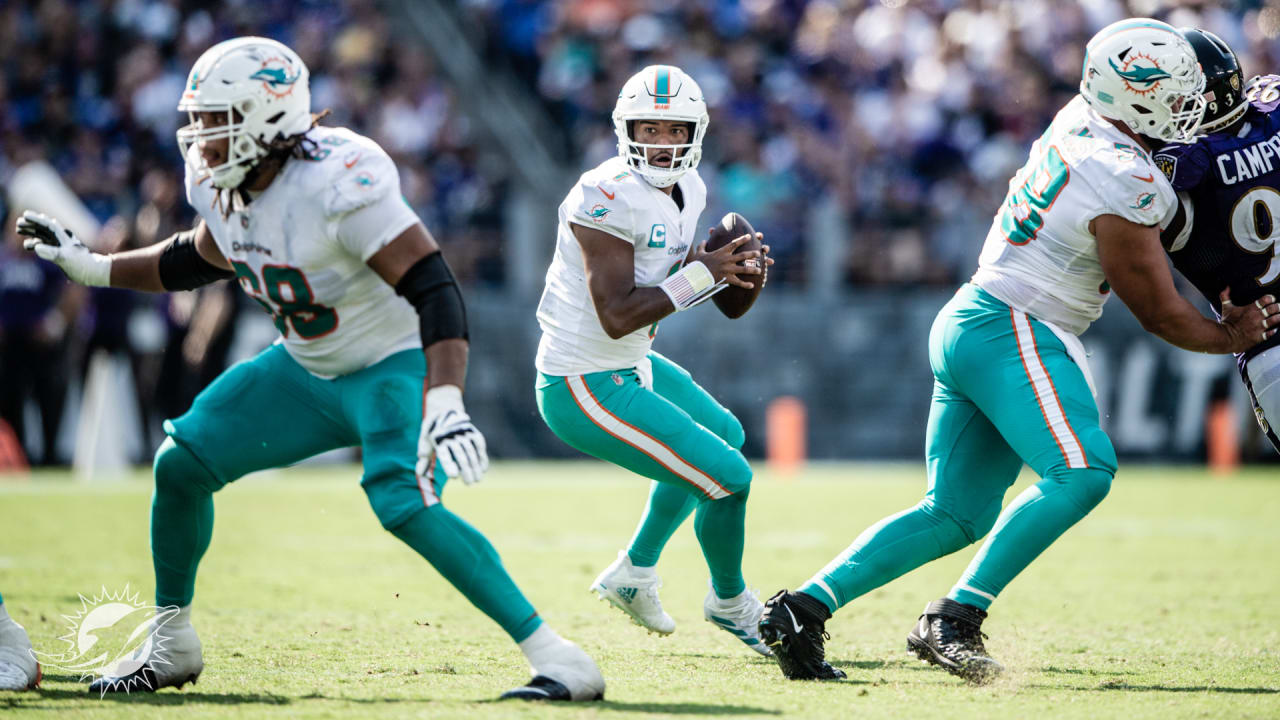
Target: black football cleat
point(793, 627)
point(949, 635)
point(543, 688)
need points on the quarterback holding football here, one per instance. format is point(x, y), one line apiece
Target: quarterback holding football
point(626, 257)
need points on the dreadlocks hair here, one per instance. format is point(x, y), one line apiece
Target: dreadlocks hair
point(279, 150)
point(298, 147)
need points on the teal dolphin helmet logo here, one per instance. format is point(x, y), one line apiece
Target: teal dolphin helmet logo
point(1141, 79)
point(275, 76)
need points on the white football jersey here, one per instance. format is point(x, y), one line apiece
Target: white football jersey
point(1039, 256)
point(334, 313)
point(614, 200)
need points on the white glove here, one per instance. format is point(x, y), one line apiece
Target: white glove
point(448, 435)
point(48, 239)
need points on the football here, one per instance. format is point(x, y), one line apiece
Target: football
point(735, 301)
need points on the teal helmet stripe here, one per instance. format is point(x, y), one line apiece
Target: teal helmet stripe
point(662, 85)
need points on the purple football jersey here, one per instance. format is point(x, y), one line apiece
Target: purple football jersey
point(1227, 184)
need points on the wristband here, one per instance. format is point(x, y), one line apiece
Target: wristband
point(692, 284)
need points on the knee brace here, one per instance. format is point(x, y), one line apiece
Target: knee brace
point(178, 470)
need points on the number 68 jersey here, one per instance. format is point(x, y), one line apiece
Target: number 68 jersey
point(1039, 256)
point(1227, 185)
point(299, 249)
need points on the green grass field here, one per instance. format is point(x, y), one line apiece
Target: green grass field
point(1162, 603)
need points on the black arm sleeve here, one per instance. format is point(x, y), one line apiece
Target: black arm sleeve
point(182, 268)
point(430, 288)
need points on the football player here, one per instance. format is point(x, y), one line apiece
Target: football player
point(626, 257)
point(18, 667)
point(1011, 381)
point(311, 223)
point(1224, 231)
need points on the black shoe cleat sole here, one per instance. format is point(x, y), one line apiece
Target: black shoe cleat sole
point(978, 672)
point(544, 689)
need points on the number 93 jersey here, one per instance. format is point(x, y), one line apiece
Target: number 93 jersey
point(1227, 185)
point(299, 249)
point(1039, 256)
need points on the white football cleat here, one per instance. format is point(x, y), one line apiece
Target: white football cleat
point(172, 658)
point(561, 671)
point(634, 591)
point(18, 667)
point(738, 616)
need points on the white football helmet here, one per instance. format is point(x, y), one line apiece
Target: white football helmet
point(660, 92)
point(1143, 73)
point(263, 88)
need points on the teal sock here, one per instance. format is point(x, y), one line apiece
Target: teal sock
point(719, 526)
point(667, 508)
point(181, 522)
point(466, 559)
point(1026, 528)
point(895, 545)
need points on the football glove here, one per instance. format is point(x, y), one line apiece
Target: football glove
point(47, 238)
point(447, 435)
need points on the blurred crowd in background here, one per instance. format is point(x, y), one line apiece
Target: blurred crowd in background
point(910, 115)
point(91, 87)
point(907, 117)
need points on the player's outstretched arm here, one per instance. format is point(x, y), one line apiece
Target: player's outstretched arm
point(184, 261)
point(413, 265)
point(624, 308)
point(1136, 268)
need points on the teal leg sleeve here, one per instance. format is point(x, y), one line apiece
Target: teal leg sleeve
point(384, 404)
point(719, 526)
point(666, 510)
point(181, 522)
point(894, 546)
point(1031, 523)
point(970, 466)
point(466, 559)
